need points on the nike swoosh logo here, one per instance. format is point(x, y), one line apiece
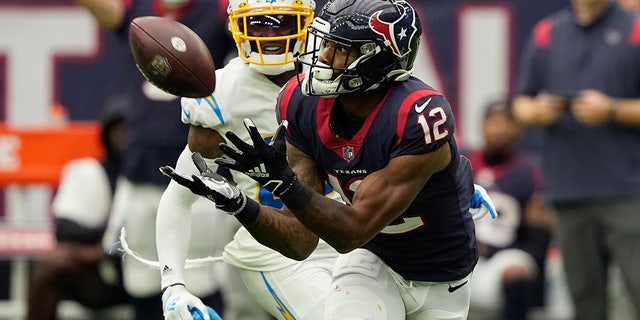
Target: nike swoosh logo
point(187, 114)
point(454, 288)
point(423, 106)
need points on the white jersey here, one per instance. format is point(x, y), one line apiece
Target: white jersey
point(84, 193)
point(241, 93)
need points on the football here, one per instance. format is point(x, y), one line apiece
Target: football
point(172, 57)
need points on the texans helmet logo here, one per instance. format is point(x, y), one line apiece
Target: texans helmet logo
point(397, 34)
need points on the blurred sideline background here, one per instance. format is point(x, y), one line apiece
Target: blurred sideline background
point(57, 69)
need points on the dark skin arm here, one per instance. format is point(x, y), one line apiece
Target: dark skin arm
point(381, 198)
point(294, 240)
point(205, 141)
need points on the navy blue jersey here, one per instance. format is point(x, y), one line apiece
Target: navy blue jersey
point(434, 239)
point(156, 135)
point(584, 162)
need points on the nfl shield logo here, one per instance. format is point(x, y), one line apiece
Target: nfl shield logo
point(348, 153)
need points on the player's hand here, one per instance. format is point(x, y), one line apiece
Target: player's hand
point(481, 204)
point(265, 163)
point(179, 304)
point(210, 185)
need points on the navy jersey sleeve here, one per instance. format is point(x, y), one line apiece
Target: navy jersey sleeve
point(284, 98)
point(425, 123)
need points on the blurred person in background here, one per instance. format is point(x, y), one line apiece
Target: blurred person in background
point(633, 5)
point(78, 268)
point(579, 80)
point(509, 278)
point(156, 137)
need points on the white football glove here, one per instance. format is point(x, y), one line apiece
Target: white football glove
point(481, 204)
point(178, 304)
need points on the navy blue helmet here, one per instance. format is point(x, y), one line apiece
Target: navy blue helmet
point(385, 35)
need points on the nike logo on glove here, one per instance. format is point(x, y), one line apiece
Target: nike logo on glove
point(456, 287)
point(423, 106)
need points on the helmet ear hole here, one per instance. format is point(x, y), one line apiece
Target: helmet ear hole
point(376, 68)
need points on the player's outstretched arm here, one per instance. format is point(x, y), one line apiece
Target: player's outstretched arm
point(292, 239)
point(380, 198)
point(173, 222)
point(378, 201)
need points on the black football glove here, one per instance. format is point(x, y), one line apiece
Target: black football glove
point(265, 163)
point(210, 185)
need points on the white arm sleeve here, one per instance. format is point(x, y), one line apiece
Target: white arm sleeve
point(173, 222)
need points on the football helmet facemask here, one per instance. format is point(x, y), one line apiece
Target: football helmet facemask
point(384, 36)
point(270, 34)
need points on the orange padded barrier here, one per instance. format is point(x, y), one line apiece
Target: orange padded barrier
point(37, 154)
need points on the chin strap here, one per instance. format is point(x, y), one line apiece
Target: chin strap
point(397, 75)
point(400, 75)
